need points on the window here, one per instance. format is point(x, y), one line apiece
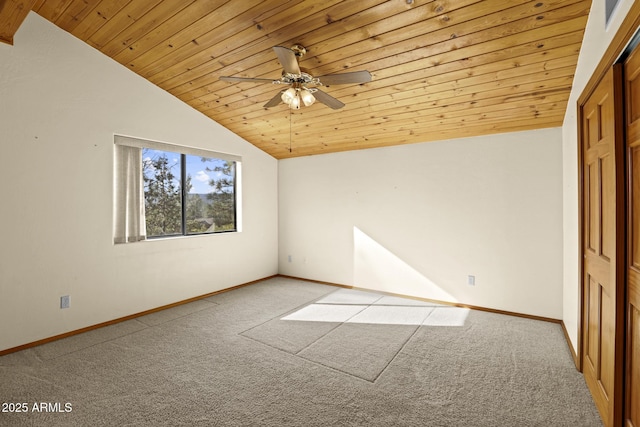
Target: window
point(164, 190)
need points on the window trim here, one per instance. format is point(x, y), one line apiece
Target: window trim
point(182, 149)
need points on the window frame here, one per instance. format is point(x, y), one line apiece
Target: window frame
point(183, 152)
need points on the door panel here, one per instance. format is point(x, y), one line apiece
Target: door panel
point(632, 89)
point(592, 343)
point(592, 202)
point(608, 208)
point(603, 251)
point(633, 370)
point(632, 411)
point(634, 206)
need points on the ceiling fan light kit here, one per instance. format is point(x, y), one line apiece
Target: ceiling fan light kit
point(294, 96)
point(299, 81)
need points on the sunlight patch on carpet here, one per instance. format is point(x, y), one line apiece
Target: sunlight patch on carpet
point(325, 313)
point(355, 306)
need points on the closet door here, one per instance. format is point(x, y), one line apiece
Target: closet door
point(632, 377)
point(603, 259)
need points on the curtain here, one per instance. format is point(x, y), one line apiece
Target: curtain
point(129, 222)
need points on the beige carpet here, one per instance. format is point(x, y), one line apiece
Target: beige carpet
point(290, 353)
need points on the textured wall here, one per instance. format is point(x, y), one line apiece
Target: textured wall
point(61, 103)
point(418, 219)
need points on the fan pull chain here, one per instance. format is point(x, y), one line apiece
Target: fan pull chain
point(290, 114)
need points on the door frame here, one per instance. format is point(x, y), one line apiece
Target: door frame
point(623, 36)
point(620, 259)
point(611, 58)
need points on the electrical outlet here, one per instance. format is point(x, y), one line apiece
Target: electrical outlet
point(289, 258)
point(64, 301)
point(471, 280)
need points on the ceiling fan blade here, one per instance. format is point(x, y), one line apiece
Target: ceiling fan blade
point(345, 78)
point(245, 79)
point(274, 101)
point(288, 59)
point(327, 100)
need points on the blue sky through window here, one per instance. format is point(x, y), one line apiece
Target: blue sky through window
point(196, 168)
point(200, 176)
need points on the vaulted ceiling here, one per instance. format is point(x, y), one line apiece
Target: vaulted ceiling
point(440, 68)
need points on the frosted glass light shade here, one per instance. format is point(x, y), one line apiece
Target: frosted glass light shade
point(295, 102)
point(307, 97)
point(288, 95)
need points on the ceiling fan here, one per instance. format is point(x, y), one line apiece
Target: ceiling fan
point(302, 85)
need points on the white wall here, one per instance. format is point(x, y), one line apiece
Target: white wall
point(597, 39)
point(60, 104)
point(418, 219)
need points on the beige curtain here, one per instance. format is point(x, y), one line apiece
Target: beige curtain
point(129, 223)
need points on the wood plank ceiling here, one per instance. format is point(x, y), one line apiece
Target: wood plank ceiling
point(441, 69)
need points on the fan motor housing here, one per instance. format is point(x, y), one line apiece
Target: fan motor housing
point(302, 78)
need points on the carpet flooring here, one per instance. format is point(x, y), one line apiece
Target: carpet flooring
point(284, 352)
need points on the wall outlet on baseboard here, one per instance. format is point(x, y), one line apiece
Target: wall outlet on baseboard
point(64, 301)
point(471, 280)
